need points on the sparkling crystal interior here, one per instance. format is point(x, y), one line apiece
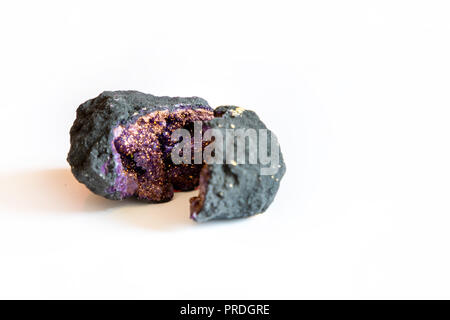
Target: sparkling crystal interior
point(143, 155)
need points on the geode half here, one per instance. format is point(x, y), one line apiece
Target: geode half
point(121, 143)
point(232, 189)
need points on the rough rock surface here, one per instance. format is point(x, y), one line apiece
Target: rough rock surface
point(236, 190)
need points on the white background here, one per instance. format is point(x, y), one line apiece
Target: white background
point(357, 92)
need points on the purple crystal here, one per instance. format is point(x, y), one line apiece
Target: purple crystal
point(142, 153)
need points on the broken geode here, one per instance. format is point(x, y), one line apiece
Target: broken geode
point(234, 190)
point(121, 145)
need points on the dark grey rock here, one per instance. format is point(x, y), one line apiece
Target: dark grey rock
point(226, 190)
point(91, 156)
point(236, 190)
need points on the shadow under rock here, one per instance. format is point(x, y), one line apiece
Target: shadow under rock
point(57, 191)
point(52, 190)
point(158, 216)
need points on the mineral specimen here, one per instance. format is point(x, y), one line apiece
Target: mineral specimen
point(121, 146)
point(236, 190)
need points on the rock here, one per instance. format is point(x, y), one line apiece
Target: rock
point(237, 190)
point(114, 134)
point(121, 146)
